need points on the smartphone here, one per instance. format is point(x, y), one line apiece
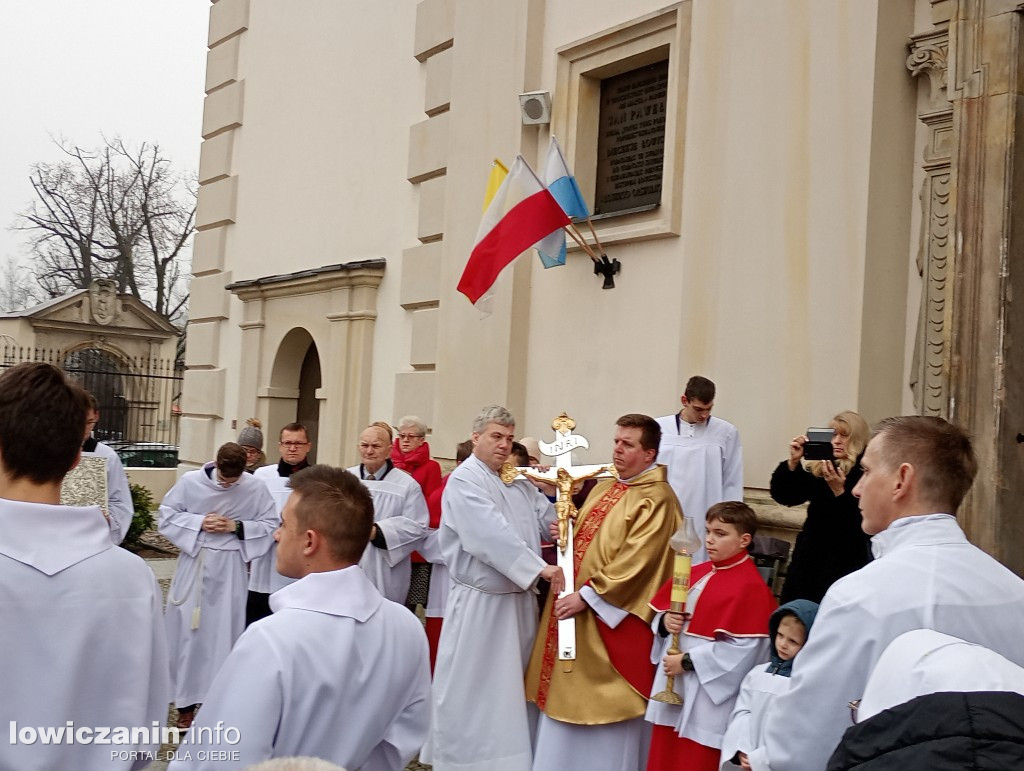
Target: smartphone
point(819, 444)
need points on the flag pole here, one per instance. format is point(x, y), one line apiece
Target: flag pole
point(594, 233)
point(578, 238)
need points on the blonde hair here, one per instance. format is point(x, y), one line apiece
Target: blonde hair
point(851, 425)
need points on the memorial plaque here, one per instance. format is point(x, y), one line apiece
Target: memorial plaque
point(631, 139)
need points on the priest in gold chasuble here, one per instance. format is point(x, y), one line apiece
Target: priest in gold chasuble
point(593, 707)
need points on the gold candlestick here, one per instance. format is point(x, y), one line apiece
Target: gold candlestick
point(684, 542)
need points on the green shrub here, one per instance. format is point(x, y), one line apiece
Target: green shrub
point(142, 519)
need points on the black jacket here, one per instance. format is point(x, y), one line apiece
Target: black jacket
point(981, 731)
point(831, 544)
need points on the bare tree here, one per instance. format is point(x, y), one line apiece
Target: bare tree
point(17, 289)
point(116, 212)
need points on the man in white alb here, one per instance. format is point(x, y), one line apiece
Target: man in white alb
point(490, 538)
point(925, 575)
point(81, 631)
point(400, 517)
point(220, 518)
point(264, 579)
point(337, 672)
point(703, 455)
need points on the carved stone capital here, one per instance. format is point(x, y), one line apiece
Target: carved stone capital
point(929, 53)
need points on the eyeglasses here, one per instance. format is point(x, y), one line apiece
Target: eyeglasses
point(367, 446)
point(252, 450)
point(409, 437)
point(293, 444)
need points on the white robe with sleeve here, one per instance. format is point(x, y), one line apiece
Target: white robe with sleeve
point(746, 724)
point(81, 634)
point(119, 495)
point(705, 467)
point(437, 595)
point(400, 512)
point(263, 575)
point(490, 537)
point(925, 575)
point(336, 672)
point(206, 603)
point(710, 691)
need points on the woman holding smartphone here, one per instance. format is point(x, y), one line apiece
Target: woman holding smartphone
point(831, 543)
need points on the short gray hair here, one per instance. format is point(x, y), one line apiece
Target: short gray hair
point(493, 414)
point(415, 422)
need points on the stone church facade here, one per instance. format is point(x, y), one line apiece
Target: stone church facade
point(834, 228)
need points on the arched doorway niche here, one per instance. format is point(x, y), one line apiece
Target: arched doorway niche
point(293, 397)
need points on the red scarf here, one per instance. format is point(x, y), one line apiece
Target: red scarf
point(735, 600)
point(410, 461)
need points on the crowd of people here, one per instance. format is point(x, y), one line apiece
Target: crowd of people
point(288, 618)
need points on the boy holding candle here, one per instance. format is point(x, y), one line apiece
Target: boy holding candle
point(722, 634)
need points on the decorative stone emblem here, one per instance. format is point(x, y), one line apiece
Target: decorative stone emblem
point(103, 300)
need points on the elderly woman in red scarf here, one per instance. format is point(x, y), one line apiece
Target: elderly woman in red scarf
point(411, 454)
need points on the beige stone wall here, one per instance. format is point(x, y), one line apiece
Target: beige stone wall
point(780, 269)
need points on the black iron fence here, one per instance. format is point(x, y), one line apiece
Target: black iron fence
point(139, 398)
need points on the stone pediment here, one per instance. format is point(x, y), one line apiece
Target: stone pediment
point(94, 312)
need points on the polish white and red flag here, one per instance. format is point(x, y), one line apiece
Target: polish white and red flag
point(521, 215)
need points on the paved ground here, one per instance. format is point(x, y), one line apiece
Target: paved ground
point(163, 568)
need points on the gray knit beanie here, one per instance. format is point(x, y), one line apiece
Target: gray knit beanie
point(251, 436)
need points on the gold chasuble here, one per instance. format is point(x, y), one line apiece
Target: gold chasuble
point(621, 550)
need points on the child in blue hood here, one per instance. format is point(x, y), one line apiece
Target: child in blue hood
point(788, 627)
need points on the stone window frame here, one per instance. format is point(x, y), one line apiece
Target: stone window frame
point(581, 67)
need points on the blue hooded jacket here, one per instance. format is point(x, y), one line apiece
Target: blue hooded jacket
point(804, 611)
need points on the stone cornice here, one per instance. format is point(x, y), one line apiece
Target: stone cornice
point(323, 279)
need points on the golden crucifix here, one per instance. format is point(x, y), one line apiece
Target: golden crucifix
point(563, 475)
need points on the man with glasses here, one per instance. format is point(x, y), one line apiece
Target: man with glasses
point(264, 579)
point(703, 455)
point(400, 515)
point(220, 518)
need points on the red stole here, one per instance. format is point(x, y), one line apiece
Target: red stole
point(621, 642)
point(735, 600)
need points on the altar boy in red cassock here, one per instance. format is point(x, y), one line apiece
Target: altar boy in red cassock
point(724, 632)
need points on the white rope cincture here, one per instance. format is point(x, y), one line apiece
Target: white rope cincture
point(195, 587)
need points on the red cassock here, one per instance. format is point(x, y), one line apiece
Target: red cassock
point(735, 601)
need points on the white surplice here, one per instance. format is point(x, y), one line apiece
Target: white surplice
point(400, 513)
point(925, 575)
point(82, 636)
point(490, 538)
point(925, 661)
point(709, 692)
point(206, 603)
point(746, 724)
point(119, 494)
point(337, 672)
point(263, 575)
point(705, 466)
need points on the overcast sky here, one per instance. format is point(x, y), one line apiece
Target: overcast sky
point(88, 69)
